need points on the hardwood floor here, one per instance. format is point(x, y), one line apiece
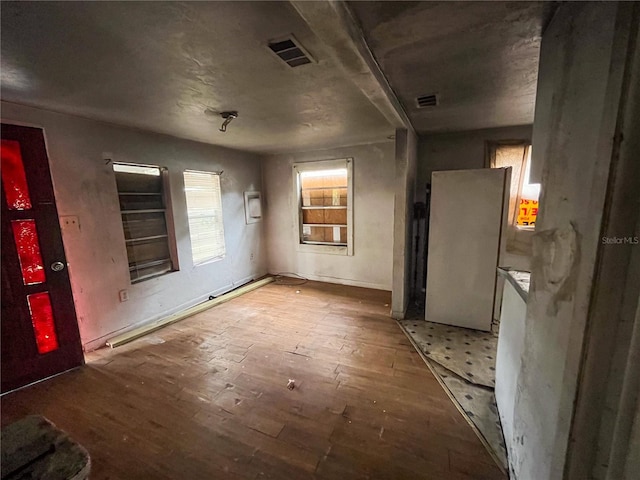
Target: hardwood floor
point(207, 397)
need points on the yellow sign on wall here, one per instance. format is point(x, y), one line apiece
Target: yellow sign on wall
point(528, 212)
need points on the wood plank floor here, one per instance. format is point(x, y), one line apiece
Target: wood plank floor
point(207, 398)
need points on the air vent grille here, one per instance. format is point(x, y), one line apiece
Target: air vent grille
point(424, 101)
point(290, 52)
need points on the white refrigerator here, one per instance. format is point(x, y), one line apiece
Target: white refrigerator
point(467, 221)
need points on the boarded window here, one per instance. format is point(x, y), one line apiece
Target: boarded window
point(325, 212)
point(141, 191)
point(204, 210)
point(323, 196)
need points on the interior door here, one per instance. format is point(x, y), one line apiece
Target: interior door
point(39, 330)
point(467, 218)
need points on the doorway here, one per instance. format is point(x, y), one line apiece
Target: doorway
point(39, 329)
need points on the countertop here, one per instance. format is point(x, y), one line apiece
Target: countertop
point(519, 279)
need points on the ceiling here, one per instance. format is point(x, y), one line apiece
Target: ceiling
point(158, 65)
point(481, 58)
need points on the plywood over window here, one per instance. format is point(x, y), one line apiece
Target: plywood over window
point(324, 192)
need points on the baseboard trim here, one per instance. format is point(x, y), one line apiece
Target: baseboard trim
point(101, 341)
point(132, 335)
point(341, 281)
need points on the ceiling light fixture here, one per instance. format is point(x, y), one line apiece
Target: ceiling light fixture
point(228, 116)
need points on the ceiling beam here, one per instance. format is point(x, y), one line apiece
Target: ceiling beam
point(335, 25)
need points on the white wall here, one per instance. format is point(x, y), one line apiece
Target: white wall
point(373, 186)
point(508, 357)
point(405, 158)
point(85, 187)
point(582, 41)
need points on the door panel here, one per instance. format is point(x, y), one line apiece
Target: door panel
point(466, 223)
point(39, 330)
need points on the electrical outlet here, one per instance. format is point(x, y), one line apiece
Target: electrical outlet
point(124, 295)
point(251, 257)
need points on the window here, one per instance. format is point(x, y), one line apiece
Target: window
point(204, 210)
point(143, 195)
point(324, 193)
point(523, 199)
point(529, 196)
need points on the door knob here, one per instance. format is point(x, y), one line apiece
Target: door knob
point(57, 266)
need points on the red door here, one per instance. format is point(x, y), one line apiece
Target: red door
point(39, 330)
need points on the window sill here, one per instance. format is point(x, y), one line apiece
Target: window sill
point(326, 249)
point(207, 262)
point(151, 277)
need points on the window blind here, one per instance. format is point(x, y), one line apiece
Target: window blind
point(204, 211)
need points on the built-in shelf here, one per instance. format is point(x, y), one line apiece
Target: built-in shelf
point(341, 225)
point(137, 194)
point(149, 210)
point(325, 207)
point(153, 263)
point(142, 239)
point(324, 243)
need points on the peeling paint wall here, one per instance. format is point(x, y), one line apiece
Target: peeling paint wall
point(373, 187)
point(608, 396)
point(577, 157)
point(85, 187)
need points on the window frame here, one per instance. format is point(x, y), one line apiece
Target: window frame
point(490, 160)
point(519, 238)
point(527, 166)
point(224, 240)
point(312, 166)
point(168, 218)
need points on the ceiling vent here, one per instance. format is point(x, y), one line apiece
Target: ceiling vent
point(427, 101)
point(290, 52)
